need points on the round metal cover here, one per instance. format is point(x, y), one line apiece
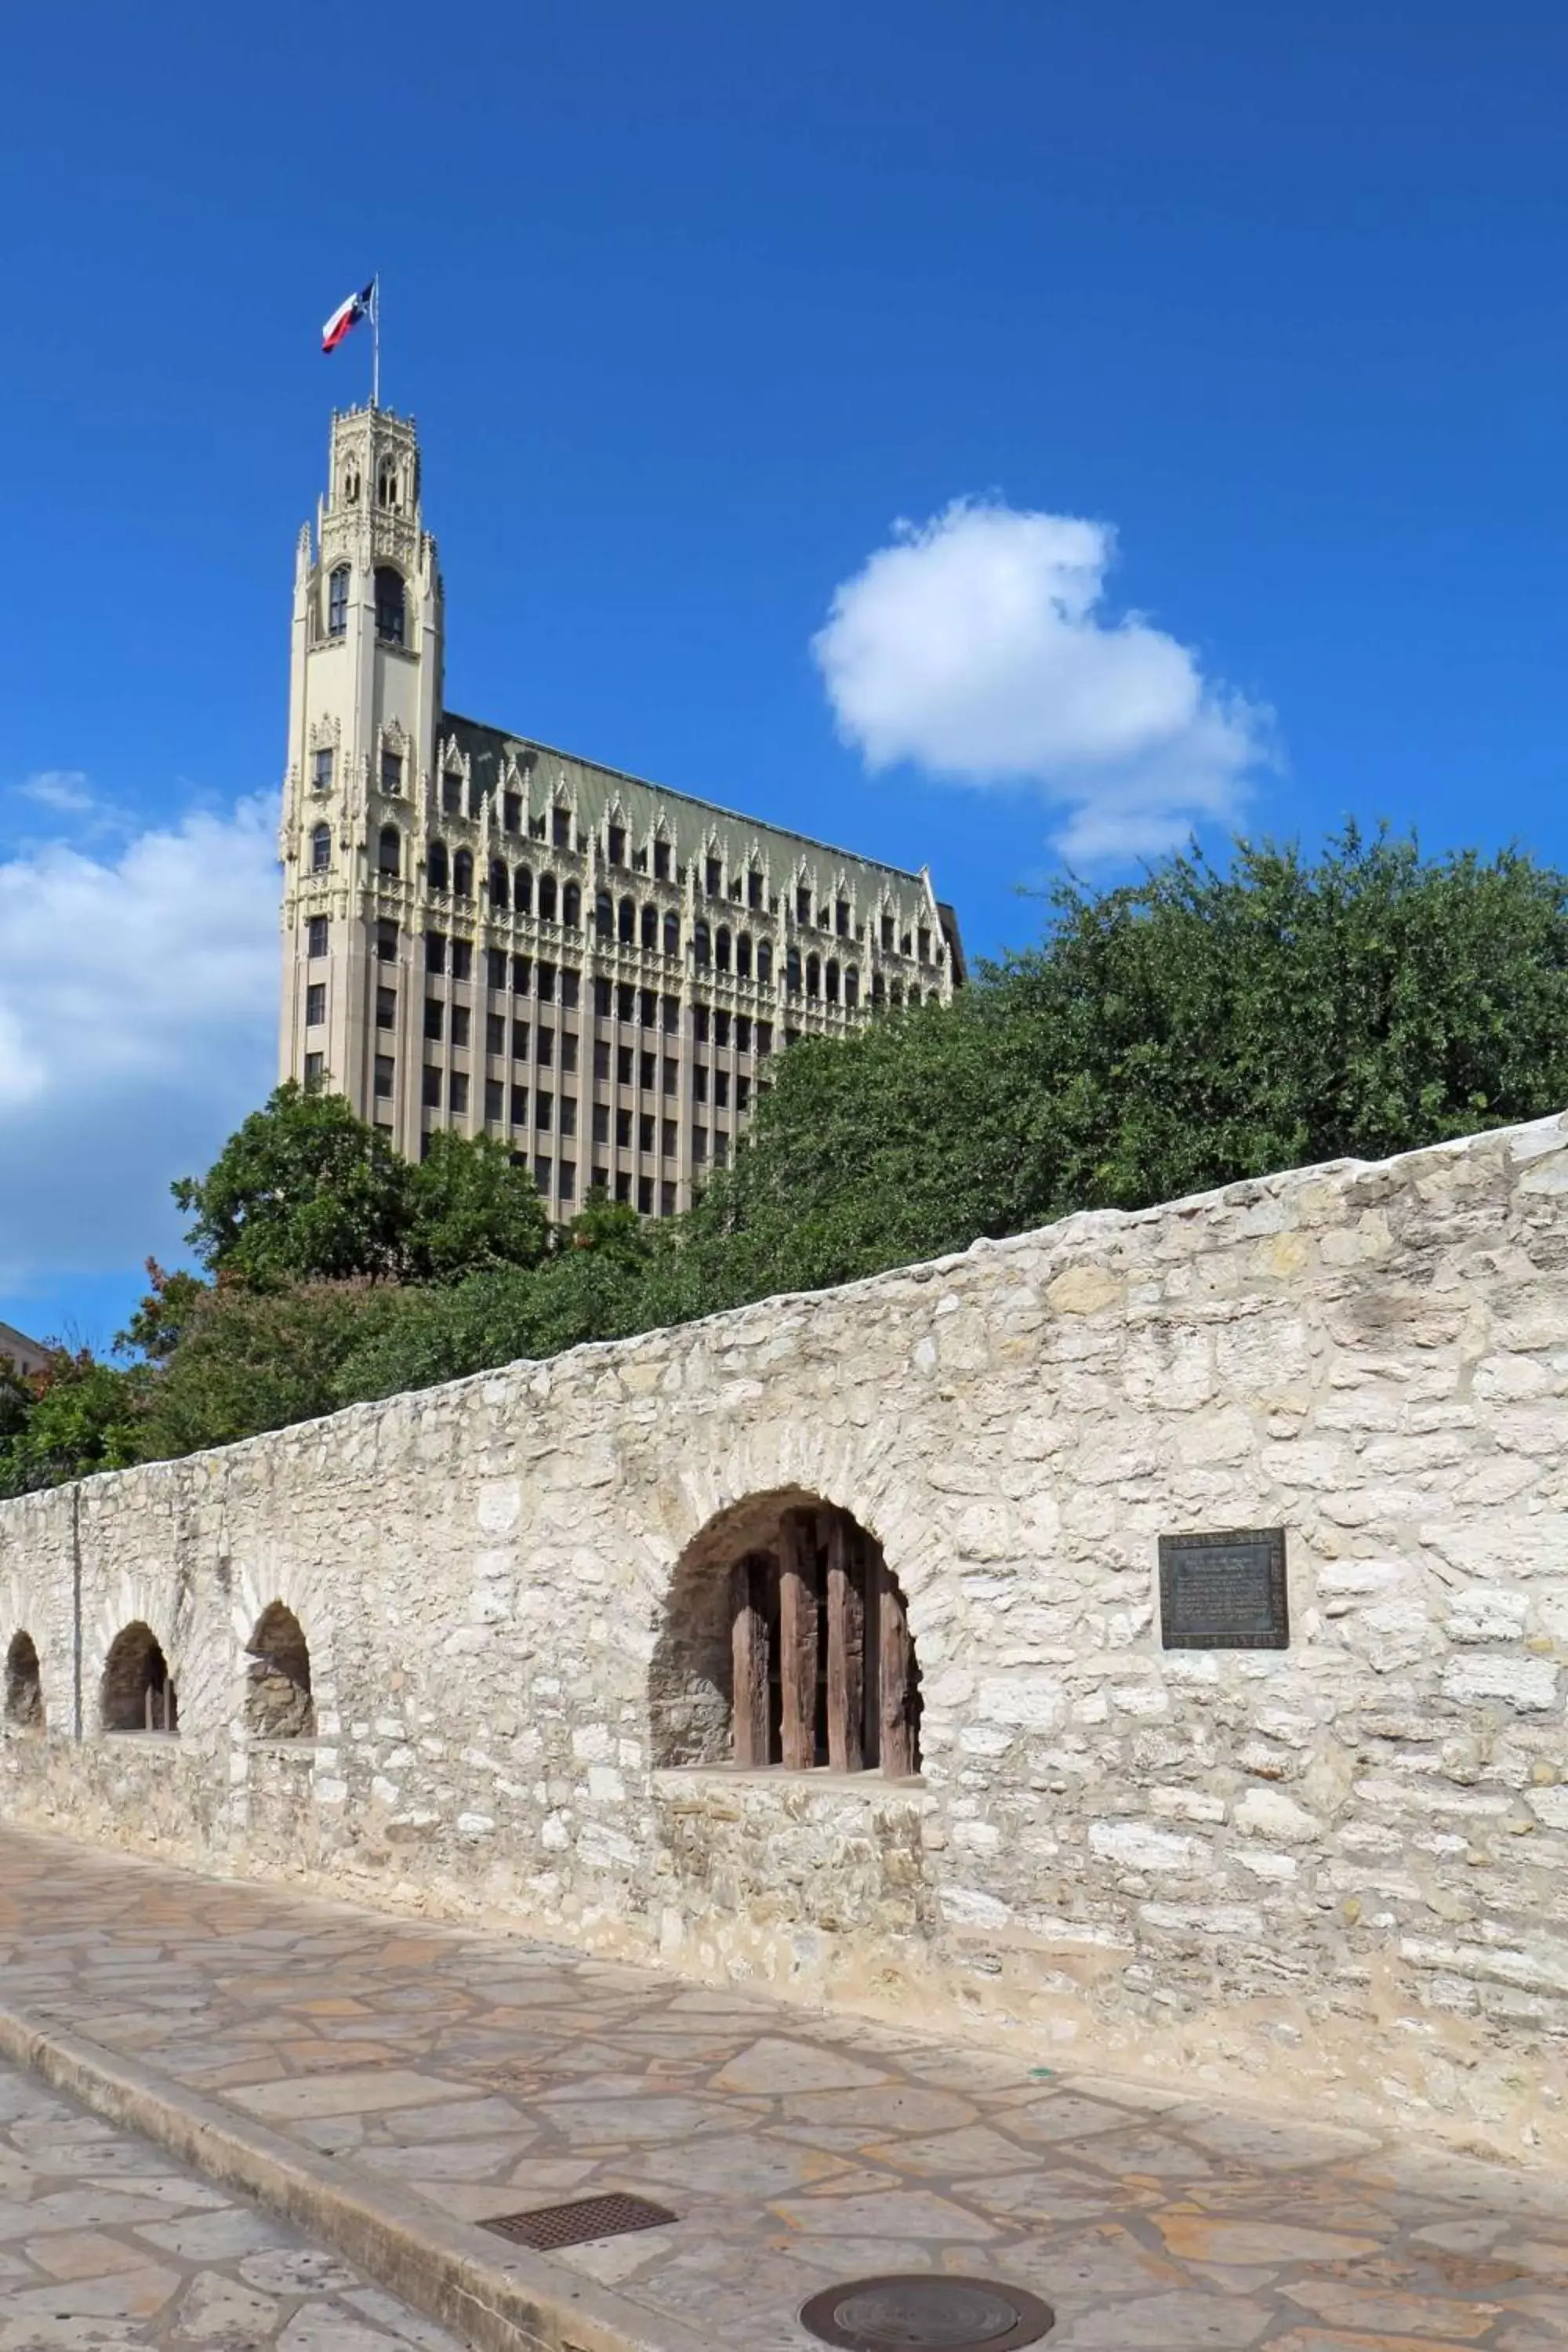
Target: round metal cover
point(921, 2310)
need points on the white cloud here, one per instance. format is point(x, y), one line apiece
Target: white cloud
point(63, 789)
point(978, 646)
point(138, 1021)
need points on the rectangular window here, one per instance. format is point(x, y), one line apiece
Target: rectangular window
point(671, 1015)
point(567, 1183)
point(476, 797)
point(601, 1122)
point(671, 1074)
point(626, 1002)
point(452, 792)
point(742, 1094)
point(743, 1034)
point(546, 1047)
point(519, 1106)
point(384, 1071)
point(906, 943)
point(644, 1196)
point(315, 1072)
point(561, 828)
point(435, 1016)
point(315, 1004)
point(495, 1033)
point(495, 967)
point(543, 1109)
point(386, 941)
point(536, 826)
point(699, 1023)
point(521, 971)
point(721, 1148)
point(667, 1199)
point(495, 1102)
point(721, 1028)
point(666, 1139)
point(392, 773)
point(753, 888)
point(841, 919)
point(721, 1090)
point(431, 1089)
point(662, 861)
point(623, 1065)
point(604, 999)
point(623, 1129)
point(646, 1131)
point(623, 1187)
point(460, 1024)
point(511, 813)
point(713, 876)
point(568, 1050)
point(462, 959)
point(571, 986)
point(700, 1083)
point(321, 770)
point(888, 933)
point(544, 983)
point(435, 951)
point(803, 905)
point(601, 1179)
point(542, 1173)
point(520, 1041)
point(616, 842)
point(764, 1038)
point(601, 1058)
point(700, 1144)
point(316, 936)
point(568, 1122)
point(649, 1009)
point(387, 1008)
point(459, 1090)
point(647, 1070)
point(923, 938)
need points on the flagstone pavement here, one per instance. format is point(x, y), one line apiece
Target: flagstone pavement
point(487, 2073)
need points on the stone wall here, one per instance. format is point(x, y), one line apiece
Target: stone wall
point(1339, 1868)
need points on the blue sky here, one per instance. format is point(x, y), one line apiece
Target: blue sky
point(1246, 323)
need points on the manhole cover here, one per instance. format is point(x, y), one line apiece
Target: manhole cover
point(548, 2227)
point(921, 2312)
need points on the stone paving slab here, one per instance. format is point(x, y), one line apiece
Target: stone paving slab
point(106, 2243)
point(486, 2075)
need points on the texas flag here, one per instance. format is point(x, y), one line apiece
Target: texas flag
point(348, 314)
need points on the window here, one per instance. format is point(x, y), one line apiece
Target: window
point(672, 935)
point(764, 963)
point(321, 770)
point(721, 1028)
point(764, 1038)
point(812, 976)
point(623, 1129)
point(434, 1017)
point(662, 861)
point(623, 1187)
point(646, 1131)
point(451, 793)
point(500, 885)
point(571, 986)
point(667, 1139)
point(315, 1004)
point(671, 1074)
point(547, 898)
point(392, 773)
point(626, 1000)
point(431, 1087)
point(754, 887)
point(604, 914)
point(315, 1072)
point(792, 971)
point(495, 1033)
point(700, 1144)
point(721, 1148)
point(742, 1094)
point(522, 889)
point(435, 865)
point(615, 845)
point(841, 919)
point(744, 955)
point(511, 812)
point(699, 1023)
point(906, 943)
point(316, 936)
point(604, 999)
point(463, 874)
point(702, 947)
point(666, 1200)
point(700, 1083)
point(459, 1090)
point(671, 1015)
point(568, 1122)
point(495, 1102)
point(571, 909)
point(476, 796)
point(713, 876)
point(743, 1034)
point(543, 1109)
point(567, 1185)
point(623, 1065)
point(601, 1058)
point(520, 1041)
point(385, 1067)
point(852, 986)
point(601, 1122)
point(601, 1179)
point(628, 923)
point(648, 1068)
point(495, 967)
point(338, 601)
point(924, 942)
point(435, 951)
point(387, 1008)
point(546, 1041)
point(321, 849)
point(462, 959)
point(460, 1024)
point(519, 1106)
point(831, 981)
point(560, 827)
point(389, 856)
point(644, 1196)
point(649, 1008)
point(803, 905)
point(544, 984)
point(721, 948)
point(391, 621)
point(568, 1050)
point(888, 933)
point(542, 1173)
point(720, 1089)
point(386, 941)
point(647, 927)
point(521, 973)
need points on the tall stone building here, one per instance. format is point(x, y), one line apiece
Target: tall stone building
point(480, 933)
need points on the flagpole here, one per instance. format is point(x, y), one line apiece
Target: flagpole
point(376, 341)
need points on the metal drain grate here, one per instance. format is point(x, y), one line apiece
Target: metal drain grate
point(550, 2226)
point(920, 2311)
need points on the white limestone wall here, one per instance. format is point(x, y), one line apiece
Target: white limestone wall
point(1341, 1868)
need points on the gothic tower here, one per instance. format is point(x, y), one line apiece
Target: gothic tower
point(364, 707)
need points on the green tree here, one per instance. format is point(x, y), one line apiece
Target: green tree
point(302, 1191)
point(469, 1207)
point(84, 1416)
point(160, 1321)
point(249, 1361)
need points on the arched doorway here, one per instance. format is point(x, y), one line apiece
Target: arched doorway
point(24, 1685)
point(786, 1643)
point(277, 1702)
point(137, 1693)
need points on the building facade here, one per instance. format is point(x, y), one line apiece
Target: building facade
point(480, 933)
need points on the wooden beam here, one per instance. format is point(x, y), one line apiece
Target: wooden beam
point(846, 1649)
point(800, 1595)
point(896, 1682)
point(748, 1640)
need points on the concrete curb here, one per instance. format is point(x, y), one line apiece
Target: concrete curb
point(519, 2302)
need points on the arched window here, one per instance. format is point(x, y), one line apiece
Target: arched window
point(500, 885)
point(390, 850)
point(572, 907)
point(136, 1694)
point(463, 874)
point(722, 947)
point(722, 1686)
point(744, 955)
point(650, 926)
point(338, 600)
point(320, 848)
point(547, 898)
point(387, 484)
point(435, 865)
point(278, 1703)
point(24, 1685)
point(813, 975)
point(522, 890)
point(764, 962)
point(792, 971)
point(672, 935)
point(604, 915)
point(879, 989)
point(852, 987)
point(391, 616)
point(350, 483)
point(831, 982)
point(628, 914)
point(702, 947)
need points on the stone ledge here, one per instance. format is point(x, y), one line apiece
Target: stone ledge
point(673, 1779)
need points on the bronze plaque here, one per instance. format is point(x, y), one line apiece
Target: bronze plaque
point(1225, 1591)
